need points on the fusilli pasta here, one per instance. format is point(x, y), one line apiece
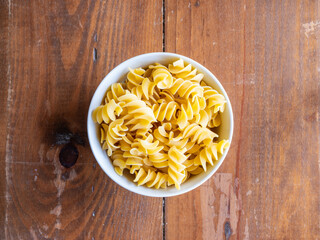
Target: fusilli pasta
point(159, 124)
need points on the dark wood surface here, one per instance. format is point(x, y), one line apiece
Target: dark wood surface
point(54, 54)
point(52, 74)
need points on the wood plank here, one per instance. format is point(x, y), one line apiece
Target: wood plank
point(268, 186)
point(58, 53)
point(4, 97)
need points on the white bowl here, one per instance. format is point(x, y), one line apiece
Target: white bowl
point(119, 73)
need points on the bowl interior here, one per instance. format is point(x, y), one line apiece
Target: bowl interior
point(118, 74)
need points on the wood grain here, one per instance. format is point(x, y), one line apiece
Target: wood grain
point(268, 186)
point(3, 110)
point(57, 54)
point(54, 55)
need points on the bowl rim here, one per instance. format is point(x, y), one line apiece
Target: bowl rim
point(140, 189)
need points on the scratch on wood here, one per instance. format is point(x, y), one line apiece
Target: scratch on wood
point(310, 27)
point(73, 174)
point(41, 152)
point(249, 193)
point(57, 225)
point(60, 185)
point(45, 227)
point(246, 231)
point(8, 182)
point(222, 182)
point(255, 216)
point(235, 206)
point(80, 22)
point(33, 234)
point(9, 129)
point(9, 7)
point(57, 210)
point(207, 198)
point(230, 204)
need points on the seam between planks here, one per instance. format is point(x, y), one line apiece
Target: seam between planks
point(163, 25)
point(163, 49)
point(241, 113)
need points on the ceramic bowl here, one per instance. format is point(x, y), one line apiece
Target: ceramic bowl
point(118, 74)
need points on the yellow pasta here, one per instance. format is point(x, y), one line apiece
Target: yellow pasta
point(145, 90)
point(210, 153)
point(162, 78)
point(214, 99)
point(185, 89)
point(176, 158)
point(151, 178)
point(159, 124)
point(165, 110)
point(134, 77)
point(115, 92)
point(179, 70)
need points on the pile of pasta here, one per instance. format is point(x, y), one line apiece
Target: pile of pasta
point(159, 124)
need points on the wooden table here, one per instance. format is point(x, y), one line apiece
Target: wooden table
point(55, 53)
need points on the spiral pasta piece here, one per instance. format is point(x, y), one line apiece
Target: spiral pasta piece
point(107, 112)
point(162, 133)
point(145, 90)
point(135, 77)
point(119, 162)
point(195, 170)
point(166, 110)
point(202, 118)
point(214, 99)
point(198, 134)
point(139, 115)
point(179, 69)
point(159, 159)
point(112, 135)
point(151, 178)
point(210, 153)
point(157, 66)
point(167, 96)
point(148, 146)
point(186, 89)
point(133, 159)
point(176, 158)
point(115, 92)
point(190, 110)
point(215, 120)
point(162, 78)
